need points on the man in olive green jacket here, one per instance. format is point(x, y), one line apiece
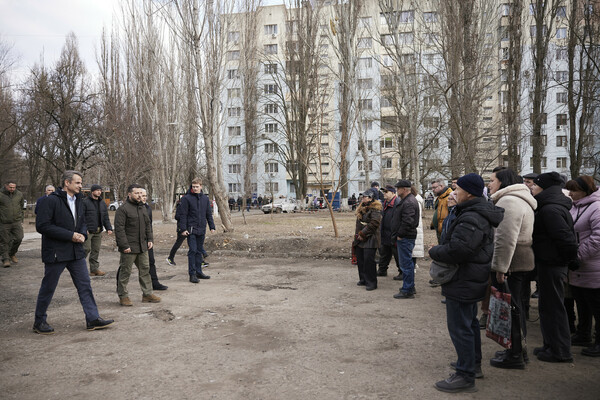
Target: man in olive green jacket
point(11, 222)
point(133, 233)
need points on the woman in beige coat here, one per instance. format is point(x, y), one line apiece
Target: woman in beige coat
point(513, 256)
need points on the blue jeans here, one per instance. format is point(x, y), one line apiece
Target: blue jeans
point(81, 280)
point(195, 259)
point(405, 248)
point(463, 327)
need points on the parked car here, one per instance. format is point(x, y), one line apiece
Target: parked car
point(114, 205)
point(281, 205)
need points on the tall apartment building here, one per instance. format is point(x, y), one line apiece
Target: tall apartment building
point(391, 92)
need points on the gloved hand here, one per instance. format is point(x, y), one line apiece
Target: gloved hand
point(574, 265)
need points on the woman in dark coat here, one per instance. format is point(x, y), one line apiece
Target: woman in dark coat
point(367, 238)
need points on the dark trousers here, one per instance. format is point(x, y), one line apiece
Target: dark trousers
point(195, 259)
point(176, 246)
point(516, 285)
point(81, 280)
point(386, 251)
point(463, 327)
point(553, 315)
point(152, 262)
point(367, 268)
point(588, 307)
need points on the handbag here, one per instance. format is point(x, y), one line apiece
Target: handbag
point(442, 272)
point(499, 319)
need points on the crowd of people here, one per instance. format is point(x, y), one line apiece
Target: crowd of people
point(507, 234)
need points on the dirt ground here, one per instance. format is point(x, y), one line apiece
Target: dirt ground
point(280, 318)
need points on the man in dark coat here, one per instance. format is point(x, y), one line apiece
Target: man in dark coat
point(156, 285)
point(388, 241)
point(133, 233)
point(96, 219)
point(555, 250)
point(469, 243)
point(11, 222)
point(49, 189)
point(61, 222)
point(193, 213)
point(406, 221)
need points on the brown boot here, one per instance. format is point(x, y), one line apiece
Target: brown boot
point(151, 299)
point(97, 273)
point(125, 301)
point(6, 263)
point(14, 259)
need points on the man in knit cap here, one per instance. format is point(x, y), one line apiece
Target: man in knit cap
point(469, 243)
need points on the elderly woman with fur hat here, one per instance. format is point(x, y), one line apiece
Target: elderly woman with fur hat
point(367, 238)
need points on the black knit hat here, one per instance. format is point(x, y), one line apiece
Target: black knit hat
point(95, 187)
point(375, 183)
point(372, 193)
point(471, 183)
point(548, 179)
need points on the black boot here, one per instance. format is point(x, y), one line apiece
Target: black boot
point(508, 360)
point(382, 272)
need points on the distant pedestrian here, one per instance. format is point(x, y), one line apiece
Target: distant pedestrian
point(442, 191)
point(387, 250)
point(61, 222)
point(11, 222)
point(367, 238)
point(49, 189)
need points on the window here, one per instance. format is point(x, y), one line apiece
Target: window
point(561, 97)
point(387, 143)
point(561, 53)
point(235, 187)
point(431, 122)
point(365, 43)
point(272, 187)
point(254, 187)
point(270, 49)
point(429, 101)
point(386, 60)
point(367, 125)
point(362, 186)
point(430, 16)
point(270, 128)
point(270, 88)
point(365, 62)
point(561, 121)
point(365, 83)
point(561, 12)
point(235, 149)
point(544, 140)
point(232, 74)
point(387, 40)
point(364, 22)
point(234, 130)
point(323, 47)
point(361, 165)
point(543, 162)
point(431, 38)
point(233, 93)
point(233, 55)
point(233, 37)
point(562, 76)
point(235, 168)
point(504, 10)
point(406, 17)
point(271, 29)
point(405, 38)
point(365, 104)
point(387, 163)
point(561, 162)
point(533, 30)
point(270, 68)
point(271, 167)
point(370, 145)
point(384, 17)
point(271, 147)
point(270, 108)
point(561, 33)
point(561, 141)
point(234, 111)
point(543, 118)
point(292, 26)
point(385, 102)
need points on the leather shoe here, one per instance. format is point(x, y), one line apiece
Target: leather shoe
point(201, 275)
point(43, 328)
point(97, 273)
point(159, 286)
point(361, 283)
point(99, 324)
point(508, 361)
point(398, 277)
point(402, 295)
point(382, 272)
point(547, 356)
point(538, 350)
point(581, 340)
point(593, 351)
point(501, 353)
point(193, 279)
point(371, 287)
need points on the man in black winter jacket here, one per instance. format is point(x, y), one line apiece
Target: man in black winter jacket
point(61, 222)
point(388, 241)
point(193, 213)
point(469, 243)
point(554, 247)
point(96, 219)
